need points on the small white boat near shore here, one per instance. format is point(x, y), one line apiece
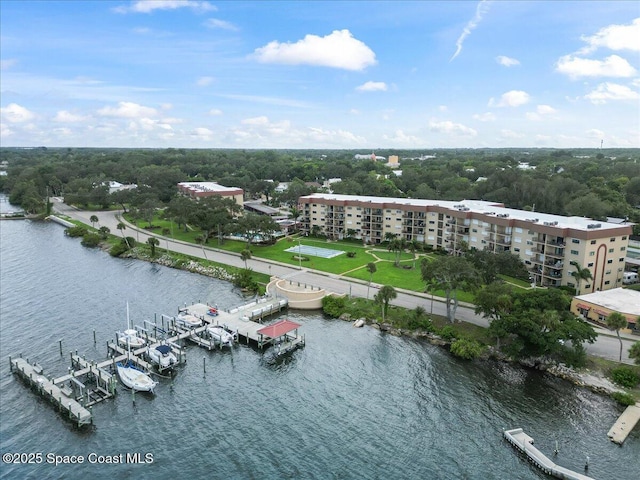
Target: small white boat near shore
point(131, 376)
point(162, 357)
point(186, 319)
point(220, 335)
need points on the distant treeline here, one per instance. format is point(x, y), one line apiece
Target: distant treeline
point(593, 183)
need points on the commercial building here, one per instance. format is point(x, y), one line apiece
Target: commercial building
point(552, 246)
point(209, 189)
point(598, 306)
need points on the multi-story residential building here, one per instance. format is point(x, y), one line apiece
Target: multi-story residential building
point(208, 189)
point(552, 246)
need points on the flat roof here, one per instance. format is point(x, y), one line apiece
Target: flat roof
point(493, 209)
point(208, 187)
point(621, 300)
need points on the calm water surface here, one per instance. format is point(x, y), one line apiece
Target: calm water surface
point(354, 403)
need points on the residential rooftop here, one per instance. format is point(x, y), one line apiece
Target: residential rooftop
point(621, 300)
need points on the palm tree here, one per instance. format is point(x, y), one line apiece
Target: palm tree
point(122, 227)
point(245, 255)
point(104, 231)
point(153, 241)
point(93, 219)
point(371, 268)
point(616, 321)
point(634, 352)
point(384, 296)
point(580, 274)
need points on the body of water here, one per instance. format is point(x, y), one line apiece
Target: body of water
point(352, 404)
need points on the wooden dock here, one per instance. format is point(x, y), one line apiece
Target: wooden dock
point(58, 396)
point(625, 423)
point(524, 443)
point(88, 382)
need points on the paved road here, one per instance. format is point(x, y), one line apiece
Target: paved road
point(606, 346)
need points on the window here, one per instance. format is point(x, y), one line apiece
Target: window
point(518, 230)
point(474, 230)
point(575, 240)
point(348, 214)
point(624, 238)
point(574, 252)
point(591, 254)
point(621, 259)
point(593, 242)
point(610, 261)
point(587, 286)
point(608, 272)
point(516, 249)
point(612, 239)
point(611, 250)
point(590, 265)
point(607, 282)
point(622, 249)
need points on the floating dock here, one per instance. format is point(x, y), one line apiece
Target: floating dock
point(625, 423)
point(88, 382)
point(524, 443)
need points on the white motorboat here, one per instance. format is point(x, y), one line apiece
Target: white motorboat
point(162, 356)
point(220, 336)
point(130, 337)
point(134, 378)
point(185, 319)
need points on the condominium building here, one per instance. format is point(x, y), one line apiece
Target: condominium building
point(552, 246)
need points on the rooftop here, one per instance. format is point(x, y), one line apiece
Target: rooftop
point(208, 187)
point(621, 300)
point(481, 207)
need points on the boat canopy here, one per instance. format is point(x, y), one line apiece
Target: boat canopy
point(163, 349)
point(279, 328)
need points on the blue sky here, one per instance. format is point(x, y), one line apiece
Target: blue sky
point(357, 75)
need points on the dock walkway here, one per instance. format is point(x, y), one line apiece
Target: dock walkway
point(625, 423)
point(524, 443)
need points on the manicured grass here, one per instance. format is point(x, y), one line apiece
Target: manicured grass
point(516, 282)
point(388, 274)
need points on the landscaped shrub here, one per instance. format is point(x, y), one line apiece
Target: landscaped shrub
point(467, 349)
point(91, 240)
point(625, 377)
point(77, 231)
point(623, 398)
point(448, 333)
point(243, 278)
point(119, 248)
point(333, 306)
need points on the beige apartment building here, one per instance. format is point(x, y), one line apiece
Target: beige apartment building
point(551, 246)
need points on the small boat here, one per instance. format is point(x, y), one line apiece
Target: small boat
point(131, 376)
point(213, 311)
point(188, 320)
point(220, 336)
point(162, 356)
point(130, 338)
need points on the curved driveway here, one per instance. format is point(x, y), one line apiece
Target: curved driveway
point(605, 346)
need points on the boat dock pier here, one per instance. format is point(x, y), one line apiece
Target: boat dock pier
point(87, 382)
point(625, 423)
point(524, 443)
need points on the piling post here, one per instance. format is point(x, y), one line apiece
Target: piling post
point(133, 395)
point(10, 364)
point(94, 336)
point(586, 465)
point(204, 364)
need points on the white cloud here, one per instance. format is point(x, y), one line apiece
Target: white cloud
point(612, 66)
point(595, 133)
point(400, 139)
point(512, 98)
point(615, 37)
point(215, 23)
point(64, 116)
point(202, 133)
point(262, 120)
point(354, 111)
point(6, 64)
point(442, 108)
point(451, 128)
point(336, 50)
point(541, 112)
point(14, 113)
point(127, 110)
point(204, 81)
point(507, 61)
point(485, 117)
point(215, 112)
point(372, 87)
point(611, 91)
point(481, 9)
point(148, 6)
